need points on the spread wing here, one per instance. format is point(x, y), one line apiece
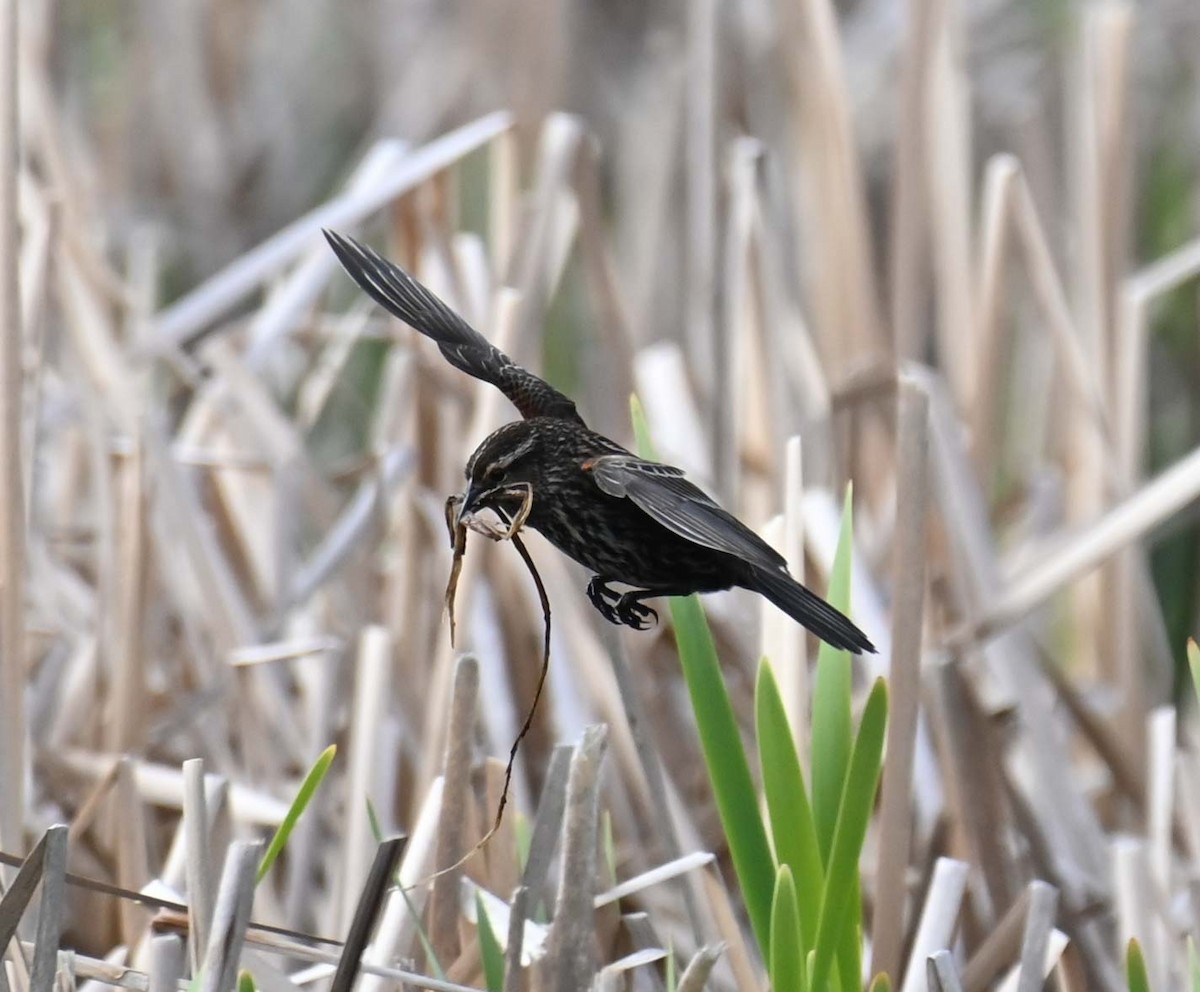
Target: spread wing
point(663, 493)
point(464, 347)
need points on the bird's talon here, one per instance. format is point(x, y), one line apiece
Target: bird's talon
point(636, 614)
point(604, 598)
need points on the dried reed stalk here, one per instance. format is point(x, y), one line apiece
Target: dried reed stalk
point(12, 431)
point(895, 817)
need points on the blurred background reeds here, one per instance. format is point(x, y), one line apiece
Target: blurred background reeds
point(947, 251)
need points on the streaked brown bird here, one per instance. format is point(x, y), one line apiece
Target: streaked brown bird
point(630, 521)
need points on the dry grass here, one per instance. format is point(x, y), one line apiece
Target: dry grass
point(221, 525)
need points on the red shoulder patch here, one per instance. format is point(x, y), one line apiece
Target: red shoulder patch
point(588, 465)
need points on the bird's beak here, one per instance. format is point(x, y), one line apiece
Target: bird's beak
point(472, 500)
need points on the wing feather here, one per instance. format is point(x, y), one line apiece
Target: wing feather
point(463, 346)
point(681, 506)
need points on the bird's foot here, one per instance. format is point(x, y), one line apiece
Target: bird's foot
point(605, 598)
point(632, 612)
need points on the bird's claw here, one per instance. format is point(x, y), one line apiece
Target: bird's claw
point(604, 598)
point(636, 614)
point(620, 608)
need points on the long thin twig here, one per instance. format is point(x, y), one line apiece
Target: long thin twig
point(459, 529)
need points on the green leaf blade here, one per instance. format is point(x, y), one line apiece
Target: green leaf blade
point(787, 958)
point(1135, 967)
point(308, 788)
point(791, 818)
point(854, 815)
point(832, 730)
point(728, 766)
point(490, 950)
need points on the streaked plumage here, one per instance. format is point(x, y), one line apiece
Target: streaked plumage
point(627, 519)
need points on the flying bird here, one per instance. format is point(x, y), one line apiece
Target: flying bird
point(630, 521)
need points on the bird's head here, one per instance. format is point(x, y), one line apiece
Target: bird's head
point(504, 469)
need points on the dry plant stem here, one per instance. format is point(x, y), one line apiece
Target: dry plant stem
point(941, 974)
point(396, 931)
point(1134, 899)
point(443, 913)
point(370, 904)
point(949, 174)
point(845, 294)
point(745, 967)
point(1154, 503)
point(132, 558)
point(666, 829)
point(569, 960)
point(81, 822)
point(270, 942)
point(547, 822)
point(1052, 298)
point(995, 235)
point(502, 197)
point(46, 865)
point(614, 351)
point(539, 251)
point(1095, 729)
point(199, 858)
point(160, 785)
point(12, 488)
point(1091, 294)
point(518, 913)
point(975, 784)
point(171, 913)
point(458, 541)
point(352, 528)
point(999, 948)
point(355, 523)
point(695, 975)
point(1043, 902)
point(181, 516)
point(288, 305)
point(909, 262)
point(166, 963)
point(1160, 798)
point(374, 666)
point(701, 187)
point(231, 915)
point(188, 319)
point(905, 678)
point(737, 327)
point(939, 918)
point(133, 869)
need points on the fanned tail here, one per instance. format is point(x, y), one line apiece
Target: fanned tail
point(809, 610)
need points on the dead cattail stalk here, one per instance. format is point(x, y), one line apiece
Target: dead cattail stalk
point(895, 817)
point(12, 489)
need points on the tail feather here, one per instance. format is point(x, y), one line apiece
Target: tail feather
point(809, 610)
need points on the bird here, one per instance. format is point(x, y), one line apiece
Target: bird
point(630, 521)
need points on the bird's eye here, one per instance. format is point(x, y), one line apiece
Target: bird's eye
point(494, 472)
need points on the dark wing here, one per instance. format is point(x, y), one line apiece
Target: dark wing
point(464, 347)
point(664, 494)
